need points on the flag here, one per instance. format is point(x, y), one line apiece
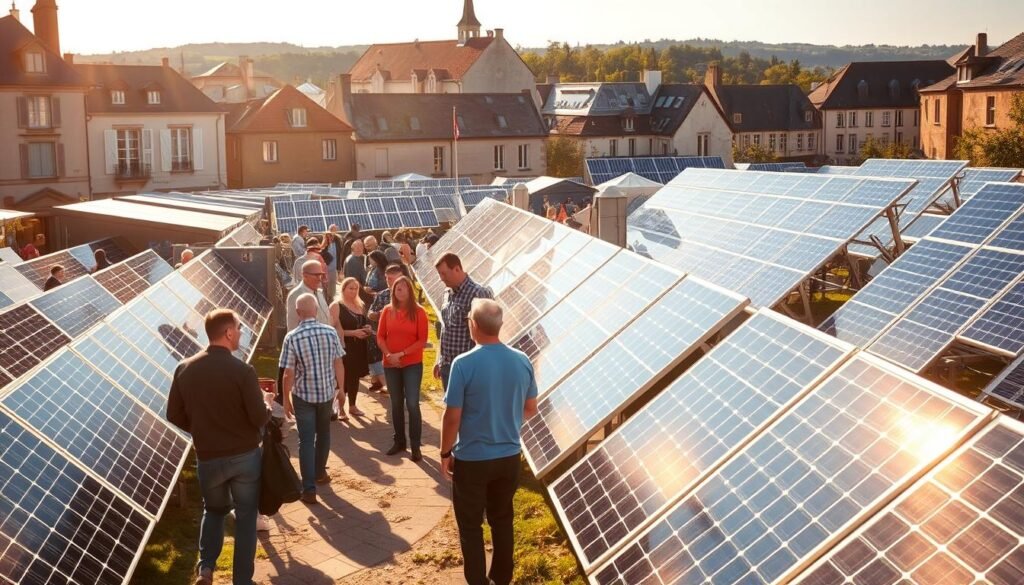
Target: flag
point(455, 124)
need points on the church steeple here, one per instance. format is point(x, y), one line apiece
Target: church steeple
point(469, 26)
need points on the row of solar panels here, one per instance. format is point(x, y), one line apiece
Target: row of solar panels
point(87, 460)
point(660, 169)
point(385, 213)
point(412, 183)
point(20, 280)
point(761, 458)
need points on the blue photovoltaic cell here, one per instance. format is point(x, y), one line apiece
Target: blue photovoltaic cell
point(960, 524)
point(662, 451)
point(978, 218)
point(974, 179)
point(128, 327)
point(1001, 325)
point(924, 226)
point(14, 285)
point(77, 305)
point(26, 339)
point(1009, 385)
point(848, 446)
point(658, 169)
point(60, 525)
point(121, 281)
point(75, 407)
point(663, 335)
point(127, 366)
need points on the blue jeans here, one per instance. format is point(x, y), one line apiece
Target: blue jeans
point(314, 425)
point(377, 369)
point(229, 482)
point(404, 389)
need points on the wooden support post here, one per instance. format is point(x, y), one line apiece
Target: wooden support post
point(854, 270)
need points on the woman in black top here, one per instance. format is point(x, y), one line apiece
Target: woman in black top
point(348, 313)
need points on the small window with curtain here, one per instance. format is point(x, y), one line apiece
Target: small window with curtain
point(524, 156)
point(117, 97)
point(270, 151)
point(39, 111)
point(298, 117)
point(438, 160)
point(181, 149)
point(153, 97)
point(499, 158)
point(330, 149)
point(35, 62)
point(42, 160)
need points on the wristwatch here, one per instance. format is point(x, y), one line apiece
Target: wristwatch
point(446, 454)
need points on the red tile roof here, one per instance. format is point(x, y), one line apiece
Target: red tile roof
point(396, 61)
point(269, 115)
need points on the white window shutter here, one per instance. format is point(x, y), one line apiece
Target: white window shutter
point(147, 148)
point(165, 150)
point(197, 149)
point(110, 150)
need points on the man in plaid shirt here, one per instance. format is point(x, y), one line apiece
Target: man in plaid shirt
point(462, 289)
point(311, 358)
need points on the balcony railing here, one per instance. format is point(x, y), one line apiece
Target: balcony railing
point(181, 166)
point(133, 171)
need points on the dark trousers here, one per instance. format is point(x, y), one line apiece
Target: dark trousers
point(351, 385)
point(478, 486)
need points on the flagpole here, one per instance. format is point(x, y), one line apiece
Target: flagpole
point(455, 148)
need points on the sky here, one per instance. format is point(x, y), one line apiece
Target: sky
point(102, 26)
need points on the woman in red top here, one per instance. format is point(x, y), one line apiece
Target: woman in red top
point(401, 336)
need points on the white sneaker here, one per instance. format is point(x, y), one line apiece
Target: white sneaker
point(262, 523)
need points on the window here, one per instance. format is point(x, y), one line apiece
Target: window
point(42, 160)
point(629, 124)
point(886, 119)
point(117, 97)
point(840, 142)
point(35, 62)
point(899, 138)
point(297, 117)
point(757, 140)
point(659, 102)
point(899, 118)
point(632, 147)
point(990, 110)
point(679, 102)
point(746, 140)
point(852, 119)
point(181, 149)
point(613, 147)
point(869, 119)
point(129, 152)
point(270, 151)
point(840, 120)
point(810, 141)
point(937, 112)
point(499, 158)
point(414, 123)
point(664, 148)
point(799, 142)
point(438, 160)
point(737, 118)
point(153, 97)
point(38, 111)
point(783, 143)
point(702, 144)
point(502, 122)
point(330, 148)
point(771, 142)
point(382, 124)
point(853, 144)
point(808, 116)
point(917, 118)
point(524, 156)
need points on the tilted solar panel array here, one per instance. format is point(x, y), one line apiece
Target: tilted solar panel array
point(9, 256)
point(14, 287)
point(243, 235)
point(973, 179)
point(779, 167)
point(77, 261)
point(370, 213)
point(760, 234)
point(1008, 386)
point(660, 169)
point(914, 309)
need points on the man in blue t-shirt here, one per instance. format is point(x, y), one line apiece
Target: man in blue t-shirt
point(491, 389)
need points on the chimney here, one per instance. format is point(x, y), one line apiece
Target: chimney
point(490, 34)
point(15, 12)
point(652, 79)
point(44, 23)
point(499, 33)
point(69, 58)
point(713, 76)
point(981, 45)
point(245, 65)
point(165, 61)
point(553, 79)
point(342, 106)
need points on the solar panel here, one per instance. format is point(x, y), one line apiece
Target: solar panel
point(664, 449)
point(244, 235)
point(26, 339)
point(758, 233)
point(960, 524)
point(14, 286)
point(778, 167)
point(661, 169)
point(127, 366)
point(60, 524)
point(845, 449)
point(224, 287)
point(1000, 327)
point(973, 179)
point(150, 343)
point(77, 261)
point(8, 255)
point(666, 333)
point(133, 276)
point(924, 226)
point(319, 214)
point(77, 305)
point(1008, 386)
point(99, 425)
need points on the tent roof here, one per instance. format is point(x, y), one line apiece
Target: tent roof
point(629, 180)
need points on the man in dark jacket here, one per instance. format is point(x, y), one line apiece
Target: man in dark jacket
point(217, 399)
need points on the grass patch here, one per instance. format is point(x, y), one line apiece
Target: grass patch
point(542, 553)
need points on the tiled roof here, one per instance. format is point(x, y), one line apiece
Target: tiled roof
point(1006, 66)
point(767, 107)
point(396, 117)
point(680, 98)
point(397, 61)
point(878, 84)
point(226, 69)
point(599, 125)
point(270, 115)
point(14, 40)
point(596, 99)
point(176, 93)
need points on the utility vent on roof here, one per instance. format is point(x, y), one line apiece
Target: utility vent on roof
point(678, 104)
point(502, 122)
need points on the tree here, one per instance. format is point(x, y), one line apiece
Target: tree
point(753, 153)
point(564, 157)
point(874, 148)
point(995, 148)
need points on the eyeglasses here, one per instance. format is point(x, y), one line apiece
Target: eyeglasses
point(314, 273)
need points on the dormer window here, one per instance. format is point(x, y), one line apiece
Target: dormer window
point(629, 124)
point(737, 118)
point(117, 97)
point(808, 116)
point(502, 122)
point(963, 73)
point(35, 62)
point(894, 88)
point(862, 89)
point(298, 117)
point(153, 97)
point(414, 123)
point(382, 124)
point(678, 104)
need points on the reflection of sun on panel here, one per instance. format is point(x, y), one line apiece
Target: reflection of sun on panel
point(925, 438)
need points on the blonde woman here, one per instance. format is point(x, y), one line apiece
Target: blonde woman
point(348, 315)
point(402, 335)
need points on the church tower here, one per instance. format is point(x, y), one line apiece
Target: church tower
point(469, 26)
point(44, 18)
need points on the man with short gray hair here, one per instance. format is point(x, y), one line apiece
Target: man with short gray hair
point(490, 390)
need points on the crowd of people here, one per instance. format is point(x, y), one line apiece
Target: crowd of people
point(353, 312)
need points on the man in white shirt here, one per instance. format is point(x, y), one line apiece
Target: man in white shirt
point(312, 276)
point(299, 241)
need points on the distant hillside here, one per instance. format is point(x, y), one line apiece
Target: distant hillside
point(289, 62)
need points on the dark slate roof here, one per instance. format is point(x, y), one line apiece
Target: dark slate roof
point(433, 112)
point(667, 119)
point(269, 115)
point(596, 99)
point(14, 40)
point(1003, 67)
point(600, 126)
point(843, 89)
point(767, 107)
point(177, 94)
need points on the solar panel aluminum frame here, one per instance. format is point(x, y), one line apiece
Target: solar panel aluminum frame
point(742, 303)
point(78, 463)
point(929, 476)
point(591, 567)
point(988, 393)
point(961, 333)
point(984, 417)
